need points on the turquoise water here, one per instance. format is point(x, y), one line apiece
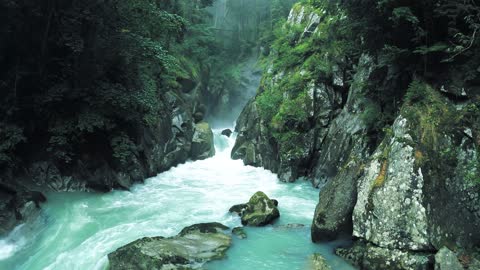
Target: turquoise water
point(78, 230)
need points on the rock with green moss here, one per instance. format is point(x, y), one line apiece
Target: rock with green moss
point(195, 245)
point(202, 142)
point(239, 232)
point(318, 262)
point(259, 211)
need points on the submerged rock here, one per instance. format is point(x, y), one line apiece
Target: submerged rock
point(194, 245)
point(445, 259)
point(239, 232)
point(227, 132)
point(259, 211)
point(318, 262)
point(291, 226)
point(367, 256)
point(202, 142)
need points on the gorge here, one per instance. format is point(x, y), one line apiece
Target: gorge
point(361, 119)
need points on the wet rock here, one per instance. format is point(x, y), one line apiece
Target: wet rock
point(275, 202)
point(202, 142)
point(238, 209)
point(227, 132)
point(371, 257)
point(212, 227)
point(17, 205)
point(292, 226)
point(259, 211)
point(318, 262)
point(195, 245)
point(239, 232)
point(445, 259)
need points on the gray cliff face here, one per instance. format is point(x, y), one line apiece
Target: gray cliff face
point(403, 195)
point(168, 143)
point(389, 211)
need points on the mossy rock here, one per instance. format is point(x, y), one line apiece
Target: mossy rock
point(239, 232)
point(195, 244)
point(202, 143)
point(238, 208)
point(259, 211)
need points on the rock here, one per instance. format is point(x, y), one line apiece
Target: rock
point(238, 209)
point(259, 211)
point(318, 262)
point(340, 163)
point(252, 144)
point(198, 117)
point(275, 202)
point(212, 227)
point(371, 257)
point(292, 226)
point(389, 210)
point(17, 205)
point(227, 132)
point(196, 244)
point(445, 259)
point(202, 142)
point(239, 232)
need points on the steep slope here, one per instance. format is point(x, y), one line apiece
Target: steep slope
point(92, 98)
point(388, 130)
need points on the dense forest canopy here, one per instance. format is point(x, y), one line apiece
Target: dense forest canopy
point(79, 77)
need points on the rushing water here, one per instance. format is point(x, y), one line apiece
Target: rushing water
point(78, 230)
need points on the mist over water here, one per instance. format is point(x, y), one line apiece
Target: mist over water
point(250, 76)
point(78, 230)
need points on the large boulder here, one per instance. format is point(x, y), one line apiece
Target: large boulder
point(227, 132)
point(340, 162)
point(193, 246)
point(390, 211)
point(202, 143)
point(259, 211)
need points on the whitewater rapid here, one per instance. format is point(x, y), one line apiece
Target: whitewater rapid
point(78, 230)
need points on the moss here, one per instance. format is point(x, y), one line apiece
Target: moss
point(431, 114)
point(419, 158)
point(380, 180)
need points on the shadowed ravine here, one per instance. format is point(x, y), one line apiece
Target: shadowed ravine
point(77, 231)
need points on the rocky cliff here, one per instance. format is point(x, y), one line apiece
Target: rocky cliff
point(400, 172)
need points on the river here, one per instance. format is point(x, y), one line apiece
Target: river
point(76, 231)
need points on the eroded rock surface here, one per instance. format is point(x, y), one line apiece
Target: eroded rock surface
point(193, 246)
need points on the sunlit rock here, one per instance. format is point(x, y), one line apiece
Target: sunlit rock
point(202, 142)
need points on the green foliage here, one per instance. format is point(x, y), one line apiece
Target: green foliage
point(430, 112)
point(123, 148)
point(292, 110)
point(268, 103)
point(87, 69)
